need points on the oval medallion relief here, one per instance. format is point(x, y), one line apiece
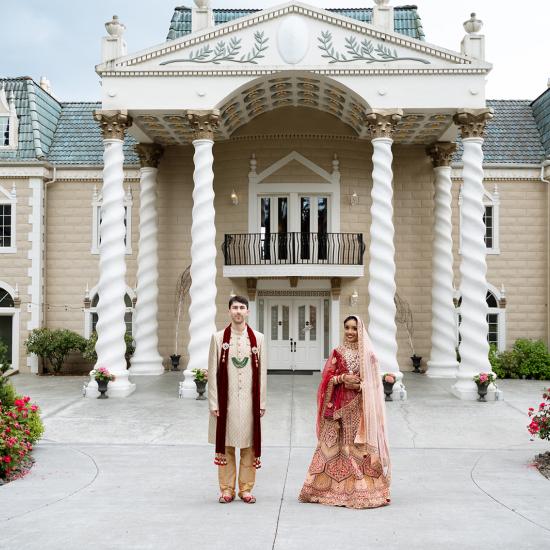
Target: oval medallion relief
point(293, 39)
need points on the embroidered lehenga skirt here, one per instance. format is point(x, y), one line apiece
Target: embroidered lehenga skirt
point(341, 473)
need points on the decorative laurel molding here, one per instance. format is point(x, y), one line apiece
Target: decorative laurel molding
point(228, 52)
point(441, 153)
point(472, 122)
point(382, 123)
point(113, 124)
point(360, 51)
point(149, 154)
point(204, 123)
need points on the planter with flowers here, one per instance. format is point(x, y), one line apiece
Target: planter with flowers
point(201, 378)
point(388, 380)
point(482, 380)
point(102, 376)
point(540, 427)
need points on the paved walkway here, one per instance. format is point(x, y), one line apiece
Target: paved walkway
point(137, 473)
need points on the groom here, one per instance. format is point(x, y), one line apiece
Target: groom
point(237, 376)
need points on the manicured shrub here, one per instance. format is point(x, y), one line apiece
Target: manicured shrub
point(54, 345)
point(90, 354)
point(527, 359)
point(7, 395)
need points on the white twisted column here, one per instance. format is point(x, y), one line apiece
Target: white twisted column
point(442, 362)
point(202, 311)
point(474, 348)
point(110, 347)
point(382, 326)
point(146, 358)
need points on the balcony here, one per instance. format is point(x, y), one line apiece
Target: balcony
point(293, 254)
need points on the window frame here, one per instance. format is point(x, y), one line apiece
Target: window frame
point(492, 200)
point(97, 201)
point(89, 312)
point(10, 199)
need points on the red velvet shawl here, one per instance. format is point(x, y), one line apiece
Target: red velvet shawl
point(223, 384)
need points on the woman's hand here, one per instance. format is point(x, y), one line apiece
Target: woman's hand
point(352, 382)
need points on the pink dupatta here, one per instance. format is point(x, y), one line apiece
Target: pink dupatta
point(372, 426)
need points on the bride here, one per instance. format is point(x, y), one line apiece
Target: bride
point(351, 464)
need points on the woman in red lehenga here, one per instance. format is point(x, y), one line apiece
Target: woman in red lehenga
point(351, 465)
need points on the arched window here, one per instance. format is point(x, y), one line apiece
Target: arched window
point(9, 322)
point(496, 319)
point(90, 321)
point(8, 121)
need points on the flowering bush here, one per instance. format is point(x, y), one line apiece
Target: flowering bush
point(20, 428)
point(200, 375)
point(484, 378)
point(388, 377)
point(102, 374)
point(540, 419)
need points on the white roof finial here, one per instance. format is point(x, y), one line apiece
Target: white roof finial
point(473, 25)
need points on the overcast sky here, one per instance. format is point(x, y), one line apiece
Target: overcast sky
point(61, 39)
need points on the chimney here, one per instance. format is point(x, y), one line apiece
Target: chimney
point(114, 45)
point(473, 44)
point(382, 16)
point(202, 16)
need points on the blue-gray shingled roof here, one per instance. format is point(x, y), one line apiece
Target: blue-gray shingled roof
point(38, 113)
point(78, 137)
point(512, 135)
point(406, 19)
point(541, 112)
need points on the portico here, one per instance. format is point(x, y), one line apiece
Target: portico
point(366, 91)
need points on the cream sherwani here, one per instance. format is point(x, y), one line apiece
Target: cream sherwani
point(239, 431)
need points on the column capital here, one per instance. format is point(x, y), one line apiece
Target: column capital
point(472, 122)
point(203, 123)
point(113, 124)
point(381, 123)
point(441, 153)
point(149, 154)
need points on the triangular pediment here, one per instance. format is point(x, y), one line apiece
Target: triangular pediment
point(294, 167)
point(286, 37)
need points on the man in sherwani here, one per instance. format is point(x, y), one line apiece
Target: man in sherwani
point(237, 380)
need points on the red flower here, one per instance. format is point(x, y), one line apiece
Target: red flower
point(7, 459)
point(26, 399)
point(34, 408)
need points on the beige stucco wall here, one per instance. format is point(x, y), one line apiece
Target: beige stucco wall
point(14, 267)
point(70, 266)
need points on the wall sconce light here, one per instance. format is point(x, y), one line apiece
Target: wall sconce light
point(234, 197)
point(354, 199)
point(354, 298)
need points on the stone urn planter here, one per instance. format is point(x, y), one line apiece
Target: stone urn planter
point(388, 389)
point(175, 359)
point(102, 388)
point(482, 390)
point(201, 388)
point(416, 362)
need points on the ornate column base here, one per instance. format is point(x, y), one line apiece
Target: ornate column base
point(399, 392)
point(442, 370)
point(147, 366)
point(466, 390)
point(187, 388)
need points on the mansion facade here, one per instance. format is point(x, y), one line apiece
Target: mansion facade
point(319, 162)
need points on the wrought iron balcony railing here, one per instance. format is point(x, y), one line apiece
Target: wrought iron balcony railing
point(293, 248)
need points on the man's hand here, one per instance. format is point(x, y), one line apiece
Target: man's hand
point(215, 413)
point(262, 412)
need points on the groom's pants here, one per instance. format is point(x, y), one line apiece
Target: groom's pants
point(227, 475)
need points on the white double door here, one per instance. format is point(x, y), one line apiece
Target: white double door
point(295, 334)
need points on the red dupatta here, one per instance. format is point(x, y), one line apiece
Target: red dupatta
point(223, 385)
